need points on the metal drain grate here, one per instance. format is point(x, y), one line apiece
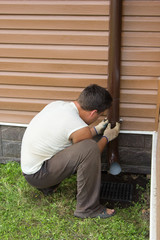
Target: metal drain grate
point(116, 191)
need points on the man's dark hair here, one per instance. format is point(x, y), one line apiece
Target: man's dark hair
point(95, 97)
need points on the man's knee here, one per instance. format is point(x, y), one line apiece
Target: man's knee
point(90, 154)
point(91, 147)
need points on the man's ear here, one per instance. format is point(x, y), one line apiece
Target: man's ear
point(93, 112)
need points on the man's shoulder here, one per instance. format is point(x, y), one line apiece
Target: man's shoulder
point(64, 104)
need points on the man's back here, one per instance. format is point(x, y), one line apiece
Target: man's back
point(48, 133)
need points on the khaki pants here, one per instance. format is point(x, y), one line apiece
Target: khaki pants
point(82, 158)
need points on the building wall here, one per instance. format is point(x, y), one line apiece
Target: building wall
point(10, 143)
point(51, 50)
point(140, 65)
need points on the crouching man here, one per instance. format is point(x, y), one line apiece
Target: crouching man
point(58, 143)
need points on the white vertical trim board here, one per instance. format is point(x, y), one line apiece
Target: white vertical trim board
point(153, 192)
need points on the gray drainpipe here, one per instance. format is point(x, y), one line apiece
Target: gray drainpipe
point(114, 71)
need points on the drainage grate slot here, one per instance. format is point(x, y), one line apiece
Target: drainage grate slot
point(116, 191)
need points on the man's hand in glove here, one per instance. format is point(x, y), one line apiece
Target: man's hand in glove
point(111, 133)
point(101, 126)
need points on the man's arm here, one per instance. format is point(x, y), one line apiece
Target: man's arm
point(93, 131)
point(102, 143)
point(85, 133)
point(81, 134)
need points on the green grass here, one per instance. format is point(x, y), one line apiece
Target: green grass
point(26, 214)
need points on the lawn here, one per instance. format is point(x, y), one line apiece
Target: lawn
point(25, 213)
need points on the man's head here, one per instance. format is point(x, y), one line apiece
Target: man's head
point(94, 100)
point(95, 97)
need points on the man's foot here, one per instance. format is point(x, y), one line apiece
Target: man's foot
point(106, 213)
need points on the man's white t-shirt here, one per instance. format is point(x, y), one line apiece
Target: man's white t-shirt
point(48, 133)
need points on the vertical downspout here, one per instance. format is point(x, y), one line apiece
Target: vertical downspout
point(114, 71)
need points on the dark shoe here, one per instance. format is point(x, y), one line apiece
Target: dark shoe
point(104, 214)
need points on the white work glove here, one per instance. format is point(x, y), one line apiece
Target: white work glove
point(101, 126)
point(111, 133)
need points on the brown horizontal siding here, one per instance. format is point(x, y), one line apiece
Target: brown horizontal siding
point(55, 22)
point(75, 80)
point(141, 8)
point(26, 104)
point(34, 37)
point(141, 39)
point(50, 50)
point(137, 68)
point(142, 124)
point(73, 66)
point(54, 52)
point(141, 54)
point(55, 7)
point(77, 52)
point(40, 92)
point(139, 82)
point(11, 116)
point(139, 24)
point(52, 79)
point(53, 66)
point(77, 23)
point(140, 64)
point(138, 96)
point(142, 110)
